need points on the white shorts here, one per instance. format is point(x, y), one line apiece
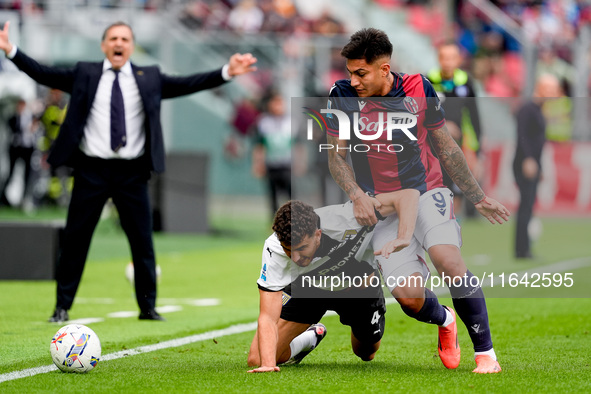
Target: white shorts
point(436, 222)
point(436, 225)
point(400, 265)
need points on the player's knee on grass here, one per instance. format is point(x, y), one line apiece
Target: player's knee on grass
point(366, 339)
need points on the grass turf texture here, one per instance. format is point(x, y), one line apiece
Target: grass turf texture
point(542, 343)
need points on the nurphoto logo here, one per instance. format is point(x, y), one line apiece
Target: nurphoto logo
point(363, 128)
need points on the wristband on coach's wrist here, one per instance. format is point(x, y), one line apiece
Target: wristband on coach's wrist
point(483, 198)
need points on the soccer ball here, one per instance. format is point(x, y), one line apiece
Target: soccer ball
point(75, 348)
point(130, 274)
point(535, 228)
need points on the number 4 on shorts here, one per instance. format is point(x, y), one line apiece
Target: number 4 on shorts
point(376, 317)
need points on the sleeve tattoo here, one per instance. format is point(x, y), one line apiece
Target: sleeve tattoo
point(453, 161)
point(340, 170)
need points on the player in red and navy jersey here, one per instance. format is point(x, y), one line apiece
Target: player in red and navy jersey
point(408, 155)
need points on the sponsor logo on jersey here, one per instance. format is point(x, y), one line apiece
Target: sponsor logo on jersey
point(264, 272)
point(387, 121)
point(362, 105)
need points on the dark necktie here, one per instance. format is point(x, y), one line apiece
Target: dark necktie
point(118, 135)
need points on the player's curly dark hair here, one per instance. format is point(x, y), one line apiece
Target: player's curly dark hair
point(369, 44)
point(294, 221)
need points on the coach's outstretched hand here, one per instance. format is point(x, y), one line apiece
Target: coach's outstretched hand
point(241, 64)
point(5, 44)
point(265, 369)
point(493, 210)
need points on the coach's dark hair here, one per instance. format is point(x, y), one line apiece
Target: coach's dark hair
point(294, 221)
point(118, 23)
point(369, 44)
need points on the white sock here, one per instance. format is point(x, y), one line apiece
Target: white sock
point(490, 353)
point(448, 318)
point(303, 342)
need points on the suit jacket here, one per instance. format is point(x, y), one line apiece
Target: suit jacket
point(81, 83)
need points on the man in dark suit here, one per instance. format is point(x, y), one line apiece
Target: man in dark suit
point(527, 164)
point(112, 137)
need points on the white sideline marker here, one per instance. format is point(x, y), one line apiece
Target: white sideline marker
point(231, 330)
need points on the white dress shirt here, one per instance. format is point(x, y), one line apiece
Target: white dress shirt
point(96, 141)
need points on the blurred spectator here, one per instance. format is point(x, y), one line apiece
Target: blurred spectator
point(531, 130)
point(60, 179)
point(24, 130)
point(497, 62)
point(550, 63)
point(456, 89)
point(558, 115)
point(246, 17)
point(195, 14)
point(243, 122)
point(272, 153)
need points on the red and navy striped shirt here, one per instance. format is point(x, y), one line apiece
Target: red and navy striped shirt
point(385, 164)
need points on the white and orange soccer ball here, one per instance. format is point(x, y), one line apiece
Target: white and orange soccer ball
point(75, 348)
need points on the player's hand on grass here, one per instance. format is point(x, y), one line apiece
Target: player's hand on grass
point(5, 44)
point(265, 369)
point(493, 210)
point(392, 247)
point(364, 208)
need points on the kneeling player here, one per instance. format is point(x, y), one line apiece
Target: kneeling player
point(325, 244)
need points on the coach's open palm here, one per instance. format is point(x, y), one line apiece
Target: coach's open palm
point(5, 44)
point(241, 64)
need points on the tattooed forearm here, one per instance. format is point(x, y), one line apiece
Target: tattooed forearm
point(453, 161)
point(340, 170)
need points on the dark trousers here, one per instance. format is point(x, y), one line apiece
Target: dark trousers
point(15, 153)
point(95, 181)
point(527, 190)
point(279, 179)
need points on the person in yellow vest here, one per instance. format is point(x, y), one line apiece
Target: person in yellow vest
point(60, 181)
point(456, 91)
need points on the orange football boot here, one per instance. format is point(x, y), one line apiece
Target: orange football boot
point(448, 347)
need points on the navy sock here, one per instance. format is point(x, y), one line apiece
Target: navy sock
point(432, 311)
point(470, 306)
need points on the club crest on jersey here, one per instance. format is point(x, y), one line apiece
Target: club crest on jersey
point(411, 105)
point(349, 234)
point(285, 298)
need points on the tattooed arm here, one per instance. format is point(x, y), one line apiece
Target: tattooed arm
point(453, 161)
point(342, 173)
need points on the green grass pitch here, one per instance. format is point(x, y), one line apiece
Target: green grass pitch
point(543, 343)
